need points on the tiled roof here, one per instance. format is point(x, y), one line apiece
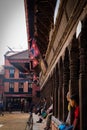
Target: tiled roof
point(18, 55)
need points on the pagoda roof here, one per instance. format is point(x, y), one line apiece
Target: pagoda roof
point(20, 60)
point(17, 55)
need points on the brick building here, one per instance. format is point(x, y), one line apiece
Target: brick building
point(18, 82)
point(60, 28)
point(1, 82)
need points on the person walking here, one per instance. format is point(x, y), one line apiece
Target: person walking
point(1, 108)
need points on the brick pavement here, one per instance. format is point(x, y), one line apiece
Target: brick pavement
point(18, 120)
point(13, 121)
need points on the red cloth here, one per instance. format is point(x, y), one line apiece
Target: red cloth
point(77, 112)
point(77, 116)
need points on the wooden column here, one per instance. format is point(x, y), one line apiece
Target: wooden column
point(56, 90)
point(50, 90)
point(66, 77)
point(54, 98)
point(83, 76)
point(74, 66)
point(60, 93)
point(54, 82)
point(47, 91)
point(74, 69)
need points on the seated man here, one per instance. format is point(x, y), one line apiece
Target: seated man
point(49, 115)
point(68, 116)
point(62, 125)
point(1, 108)
point(67, 122)
point(39, 106)
point(43, 111)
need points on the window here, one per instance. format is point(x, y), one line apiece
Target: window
point(11, 87)
point(37, 93)
point(22, 75)
point(11, 73)
point(29, 88)
point(21, 86)
point(0, 81)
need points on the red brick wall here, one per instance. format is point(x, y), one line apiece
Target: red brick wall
point(16, 87)
point(6, 87)
point(16, 74)
point(26, 87)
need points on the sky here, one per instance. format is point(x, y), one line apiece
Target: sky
point(12, 27)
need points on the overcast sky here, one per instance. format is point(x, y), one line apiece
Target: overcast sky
point(12, 26)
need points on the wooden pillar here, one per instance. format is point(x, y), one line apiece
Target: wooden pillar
point(54, 98)
point(66, 77)
point(60, 93)
point(74, 66)
point(83, 76)
point(50, 94)
point(51, 83)
point(47, 91)
point(74, 69)
point(54, 82)
point(56, 90)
